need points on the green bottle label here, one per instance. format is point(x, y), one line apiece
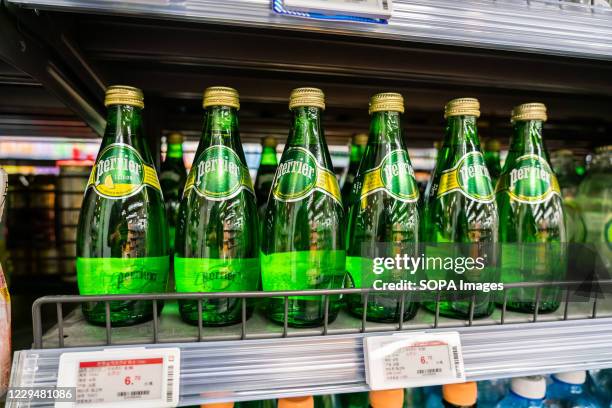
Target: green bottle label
point(216, 275)
point(302, 270)
point(394, 175)
point(121, 172)
point(530, 181)
point(219, 174)
point(470, 177)
point(299, 175)
point(122, 276)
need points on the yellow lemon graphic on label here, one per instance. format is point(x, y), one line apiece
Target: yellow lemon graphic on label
point(108, 182)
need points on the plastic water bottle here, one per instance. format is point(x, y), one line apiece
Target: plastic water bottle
point(492, 391)
point(600, 385)
point(569, 390)
point(525, 392)
point(433, 396)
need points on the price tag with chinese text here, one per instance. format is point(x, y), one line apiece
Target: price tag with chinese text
point(121, 378)
point(413, 360)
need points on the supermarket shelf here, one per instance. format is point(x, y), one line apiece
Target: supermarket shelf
point(259, 359)
point(76, 332)
point(538, 26)
point(271, 368)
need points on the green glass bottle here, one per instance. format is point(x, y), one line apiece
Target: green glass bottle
point(122, 238)
point(460, 213)
point(172, 177)
point(357, 148)
point(492, 160)
point(530, 205)
point(564, 167)
point(265, 173)
point(303, 232)
point(354, 400)
point(594, 200)
point(217, 247)
point(383, 217)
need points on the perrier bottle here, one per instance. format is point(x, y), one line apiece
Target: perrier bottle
point(357, 148)
point(122, 239)
point(172, 177)
point(217, 247)
point(303, 232)
point(531, 212)
point(265, 173)
point(460, 216)
point(491, 156)
point(383, 217)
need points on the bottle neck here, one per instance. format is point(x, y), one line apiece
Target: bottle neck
point(462, 131)
point(527, 138)
point(175, 151)
point(123, 125)
point(356, 154)
point(492, 155)
point(268, 156)
point(306, 129)
point(386, 128)
point(220, 126)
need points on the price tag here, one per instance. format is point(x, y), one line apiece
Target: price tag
point(361, 8)
point(413, 360)
point(121, 378)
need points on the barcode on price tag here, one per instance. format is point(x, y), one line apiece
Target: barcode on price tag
point(413, 360)
point(121, 378)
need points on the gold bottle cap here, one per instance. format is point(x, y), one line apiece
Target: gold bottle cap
point(221, 96)
point(492, 145)
point(462, 107)
point(307, 97)
point(386, 101)
point(175, 138)
point(124, 95)
point(360, 139)
point(563, 152)
point(269, 141)
point(529, 111)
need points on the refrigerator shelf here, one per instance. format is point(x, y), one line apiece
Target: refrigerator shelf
point(553, 27)
point(257, 359)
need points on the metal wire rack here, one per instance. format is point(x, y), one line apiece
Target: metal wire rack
point(592, 303)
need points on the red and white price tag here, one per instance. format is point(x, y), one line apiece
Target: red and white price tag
point(122, 378)
point(413, 360)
